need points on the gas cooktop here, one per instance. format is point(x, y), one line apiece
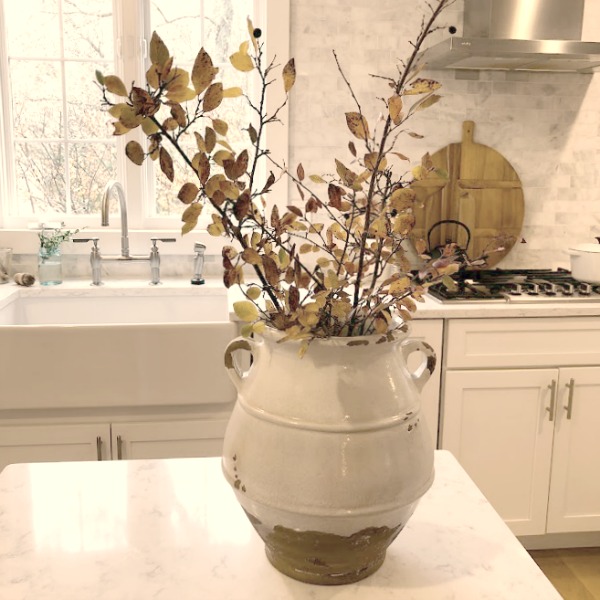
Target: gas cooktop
point(516, 285)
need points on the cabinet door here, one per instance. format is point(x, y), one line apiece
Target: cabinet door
point(497, 425)
point(49, 443)
point(575, 486)
point(168, 439)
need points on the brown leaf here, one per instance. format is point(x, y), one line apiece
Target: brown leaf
point(293, 297)
point(159, 53)
point(289, 75)
point(271, 271)
point(252, 133)
point(143, 103)
point(210, 140)
point(134, 152)
point(188, 192)
point(352, 148)
point(295, 210)
point(129, 118)
point(275, 221)
point(312, 205)
point(179, 115)
point(335, 194)
point(213, 97)
point(269, 183)
point(166, 164)
point(203, 167)
point(203, 71)
point(357, 125)
point(234, 169)
point(300, 171)
point(241, 206)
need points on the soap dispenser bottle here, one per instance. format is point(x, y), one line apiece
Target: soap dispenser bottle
point(198, 263)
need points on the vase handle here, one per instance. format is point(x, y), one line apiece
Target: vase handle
point(235, 373)
point(423, 372)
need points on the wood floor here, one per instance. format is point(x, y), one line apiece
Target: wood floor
point(575, 572)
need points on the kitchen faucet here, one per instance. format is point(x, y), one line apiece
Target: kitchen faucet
point(114, 188)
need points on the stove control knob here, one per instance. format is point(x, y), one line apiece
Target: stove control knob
point(567, 289)
point(534, 289)
point(585, 289)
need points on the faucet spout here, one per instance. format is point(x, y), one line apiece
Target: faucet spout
point(114, 188)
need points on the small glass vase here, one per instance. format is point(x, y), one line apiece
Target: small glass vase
point(49, 266)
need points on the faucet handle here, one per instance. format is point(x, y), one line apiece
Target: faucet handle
point(94, 241)
point(154, 240)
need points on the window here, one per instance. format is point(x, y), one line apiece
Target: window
point(57, 147)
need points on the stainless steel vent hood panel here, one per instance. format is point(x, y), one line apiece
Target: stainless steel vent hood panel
point(565, 56)
point(518, 35)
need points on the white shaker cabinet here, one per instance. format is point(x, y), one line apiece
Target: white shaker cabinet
point(574, 503)
point(41, 442)
point(507, 421)
point(54, 443)
point(168, 439)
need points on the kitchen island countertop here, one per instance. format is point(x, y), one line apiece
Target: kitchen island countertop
point(172, 529)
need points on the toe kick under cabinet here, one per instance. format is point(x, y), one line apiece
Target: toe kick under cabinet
point(521, 412)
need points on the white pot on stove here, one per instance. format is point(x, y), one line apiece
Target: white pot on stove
point(585, 262)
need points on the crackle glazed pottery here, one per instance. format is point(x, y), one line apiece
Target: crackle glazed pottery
point(327, 453)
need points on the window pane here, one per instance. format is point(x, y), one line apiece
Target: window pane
point(86, 119)
point(220, 27)
point(37, 105)
point(88, 29)
point(40, 178)
point(186, 26)
point(28, 20)
point(91, 167)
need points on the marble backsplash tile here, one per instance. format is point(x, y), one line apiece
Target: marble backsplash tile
point(547, 125)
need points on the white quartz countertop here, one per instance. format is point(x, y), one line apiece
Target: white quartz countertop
point(172, 530)
point(429, 309)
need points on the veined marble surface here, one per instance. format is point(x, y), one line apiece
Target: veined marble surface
point(429, 309)
point(172, 530)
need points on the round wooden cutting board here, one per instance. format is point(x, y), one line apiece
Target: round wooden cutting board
point(483, 191)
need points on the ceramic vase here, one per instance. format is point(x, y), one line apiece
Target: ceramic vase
point(328, 454)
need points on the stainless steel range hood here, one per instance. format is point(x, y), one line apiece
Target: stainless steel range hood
point(518, 35)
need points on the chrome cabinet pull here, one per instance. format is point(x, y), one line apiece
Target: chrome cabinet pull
point(119, 447)
point(99, 447)
point(569, 407)
point(550, 409)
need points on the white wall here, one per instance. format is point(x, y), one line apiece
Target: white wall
point(546, 125)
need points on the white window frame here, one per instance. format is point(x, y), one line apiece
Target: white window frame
point(273, 17)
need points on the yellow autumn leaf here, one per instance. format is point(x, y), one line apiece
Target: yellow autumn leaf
point(115, 86)
point(253, 292)
point(245, 311)
point(395, 109)
point(289, 75)
point(357, 125)
point(241, 60)
point(251, 34)
point(203, 71)
point(159, 53)
point(232, 92)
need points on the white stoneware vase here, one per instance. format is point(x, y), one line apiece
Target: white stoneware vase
point(328, 454)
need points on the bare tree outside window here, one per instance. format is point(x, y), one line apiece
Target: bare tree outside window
point(63, 148)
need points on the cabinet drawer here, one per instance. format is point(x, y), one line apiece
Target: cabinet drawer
point(548, 341)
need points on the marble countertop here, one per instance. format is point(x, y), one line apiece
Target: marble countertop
point(429, 309)
point(172, 529)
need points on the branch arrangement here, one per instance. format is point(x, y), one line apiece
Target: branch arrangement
point(332, 263)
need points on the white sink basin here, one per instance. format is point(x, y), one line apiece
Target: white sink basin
point(118, 345)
